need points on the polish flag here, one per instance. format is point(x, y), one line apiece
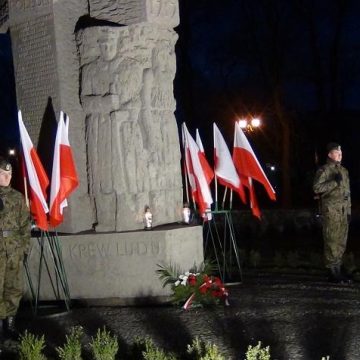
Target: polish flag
point(195, 171)
point(224, 167)
point(249, 168)
point(254, 205)
point(64, 179)
point(209, 173)
point(37, 178)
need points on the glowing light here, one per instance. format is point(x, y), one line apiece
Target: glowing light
point(272, 168)
point(11, 152)
point(255, 122)
point(243, 123)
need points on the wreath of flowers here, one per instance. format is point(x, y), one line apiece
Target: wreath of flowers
point(194, 287)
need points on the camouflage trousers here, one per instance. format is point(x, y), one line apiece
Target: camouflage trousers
point(335, 233)
point(11, 282)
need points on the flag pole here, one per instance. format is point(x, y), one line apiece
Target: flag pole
point(26, 193)
point(24, 179)
point(186, 182)
point(216, 194)
point(184, 165)
point(224, 197)
point(216, 187)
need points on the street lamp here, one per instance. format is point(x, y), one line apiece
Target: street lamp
point(250, 125)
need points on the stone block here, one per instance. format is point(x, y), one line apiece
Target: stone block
point(119, 266)
point(128, 12)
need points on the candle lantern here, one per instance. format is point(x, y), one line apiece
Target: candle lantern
point(186, 213)
point(147, 218)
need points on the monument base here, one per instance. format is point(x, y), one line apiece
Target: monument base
point(117, 267)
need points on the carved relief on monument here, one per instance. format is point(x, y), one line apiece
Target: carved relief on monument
point(128, 12)
point(163, 11)
point(133, 151)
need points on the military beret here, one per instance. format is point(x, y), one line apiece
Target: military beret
point(5, 165)
point(333, 146)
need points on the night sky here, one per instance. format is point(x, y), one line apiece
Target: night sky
point(296, 64)
point(8, 112)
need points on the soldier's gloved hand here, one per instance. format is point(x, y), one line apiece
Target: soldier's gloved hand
point(25, 258)
point(338, 177)
point(1, 204)
point(348, 218)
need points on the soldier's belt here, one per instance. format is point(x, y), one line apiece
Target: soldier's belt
point(6, 233)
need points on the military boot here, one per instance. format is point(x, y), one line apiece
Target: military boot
point(9, 328)
point(347, 274)
point(335, 274)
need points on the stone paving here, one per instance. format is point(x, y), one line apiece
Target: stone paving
point(299, 317)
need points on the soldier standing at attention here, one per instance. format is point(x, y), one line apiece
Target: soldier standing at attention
point(332, 185)
point(14, 246)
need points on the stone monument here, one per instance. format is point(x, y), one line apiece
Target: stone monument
point(110, 66)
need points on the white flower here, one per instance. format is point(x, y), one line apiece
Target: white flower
point(183, 279)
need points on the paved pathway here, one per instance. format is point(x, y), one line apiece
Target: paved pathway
point(300, 317)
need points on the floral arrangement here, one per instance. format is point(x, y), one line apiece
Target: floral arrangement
point(194, 287)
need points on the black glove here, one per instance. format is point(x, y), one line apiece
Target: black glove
point(1, 204)
point(25, 258)
point(338, 177)
point(348, 218)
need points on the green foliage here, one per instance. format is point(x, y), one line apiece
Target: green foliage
point(145, 349)
point(168, 274)
point(31, 347)
point(104, 346)
point(138, 347)
point(72, 348)
point(199, 350)
point(257, 352)
point(195, 283)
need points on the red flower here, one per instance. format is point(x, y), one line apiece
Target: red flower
point(192, 279)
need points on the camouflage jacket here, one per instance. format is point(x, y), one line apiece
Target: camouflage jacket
point(332, 194)
point(14, 219)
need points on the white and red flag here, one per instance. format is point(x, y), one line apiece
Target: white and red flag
point(36, 176)
point(224, 167)
point(209, 173)
point(195, 171)
point(64, 179)
point(249, 168)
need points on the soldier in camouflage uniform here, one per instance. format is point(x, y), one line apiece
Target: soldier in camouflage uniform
point(332, 185)
point(14, 246)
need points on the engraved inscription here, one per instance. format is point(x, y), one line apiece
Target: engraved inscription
point(114, 249)
point(35, 69)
